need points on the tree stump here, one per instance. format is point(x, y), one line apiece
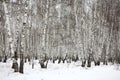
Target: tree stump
point(97, 63)
point(5, 59)
point(83, 63)
point(59, 60)
point(53, 61)
point(43, 64)
point(15, 66)
point(63, 60)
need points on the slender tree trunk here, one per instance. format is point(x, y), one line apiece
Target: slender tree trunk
point(21, 69)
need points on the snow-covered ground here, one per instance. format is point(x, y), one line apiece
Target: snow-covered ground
point(60, 71)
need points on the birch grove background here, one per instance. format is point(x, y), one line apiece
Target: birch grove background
point(83, 29)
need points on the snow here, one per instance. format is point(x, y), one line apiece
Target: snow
point(61, 71)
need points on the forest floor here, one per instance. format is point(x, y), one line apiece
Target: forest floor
point(72, 71)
